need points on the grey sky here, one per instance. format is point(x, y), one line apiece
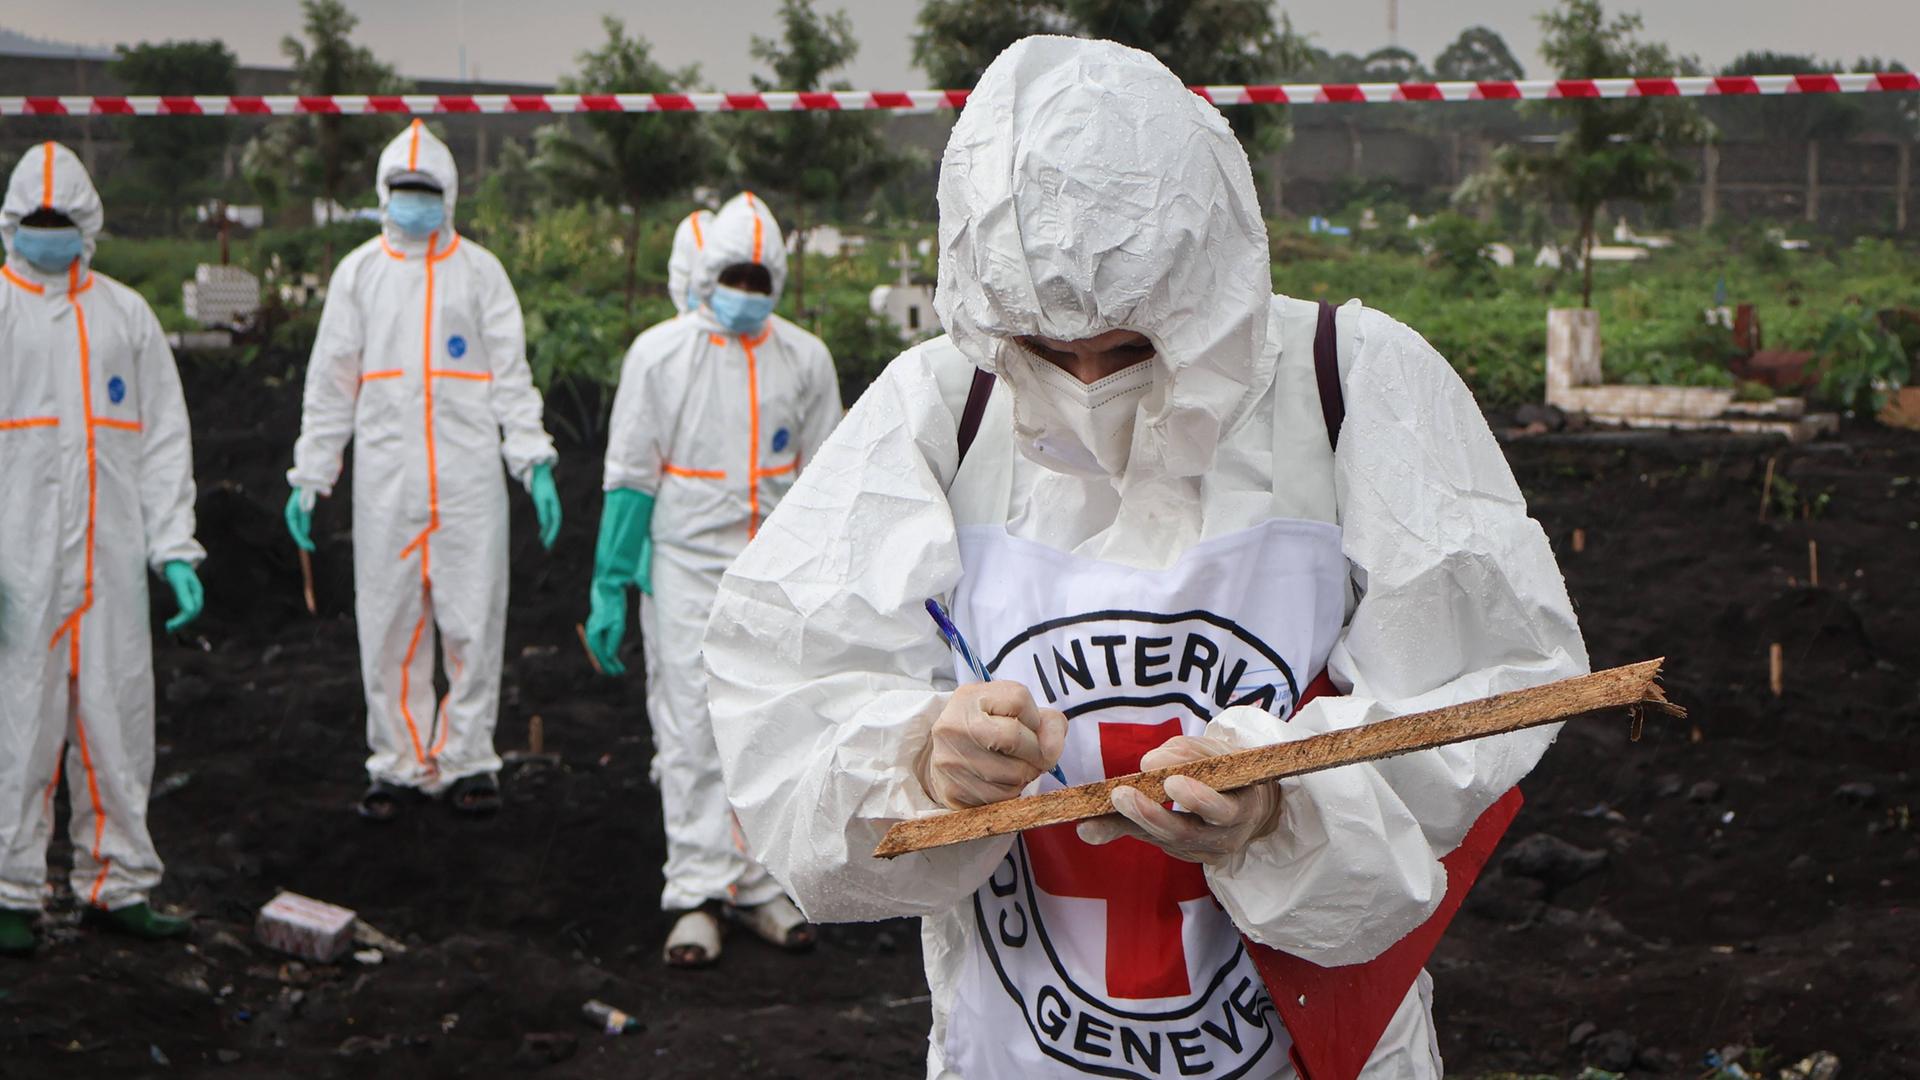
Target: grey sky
point(536, 40)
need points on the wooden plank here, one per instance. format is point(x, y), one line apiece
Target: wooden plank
point(1632, 687)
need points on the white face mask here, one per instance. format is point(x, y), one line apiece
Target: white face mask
point(1087, 427)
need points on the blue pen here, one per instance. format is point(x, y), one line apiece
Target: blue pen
point(958, 643)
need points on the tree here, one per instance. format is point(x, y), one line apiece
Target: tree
point(812, 161)
point(1392, 64)
point(1613, 150)
point(957, 39)
point(1477, 55)
point(635, 161)
point(1896, 115)
point(1204, 42)
point(173, 159)
point(327, 151)
point(1812, 117)
point(322, 155)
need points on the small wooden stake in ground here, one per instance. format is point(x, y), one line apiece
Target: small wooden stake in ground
point(1813, 563)
point(306, 581)
point(580, 629)
point(536, 734)
point(1624, 687)
point(1579, 541)
point(1776, 669)
point(1766, 491)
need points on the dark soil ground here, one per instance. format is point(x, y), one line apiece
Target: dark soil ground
point(1748, 895)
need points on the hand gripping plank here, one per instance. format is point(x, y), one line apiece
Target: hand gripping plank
point(1631, 687)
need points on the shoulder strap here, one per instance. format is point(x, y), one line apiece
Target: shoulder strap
point(976, 408)
point(1326, 372)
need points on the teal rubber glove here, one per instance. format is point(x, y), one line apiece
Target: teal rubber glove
point(186, 592)
point(546, 503)
point(620, 558)
point(300, 518)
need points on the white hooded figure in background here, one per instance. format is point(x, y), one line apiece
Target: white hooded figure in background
point(1155, 537)
point(718, 413)
point(421, 362)
point(688, 238)
point(96, 486)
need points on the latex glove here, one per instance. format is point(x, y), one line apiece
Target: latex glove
point(546, 503)
point(186, 593)
point(988, 744)
point(620, 558)
point(1215, 829)
point(300, 517)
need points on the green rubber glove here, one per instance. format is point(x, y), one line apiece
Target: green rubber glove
point(620, 559)
point(186, 592)
point(546, 503)
point(300, 518)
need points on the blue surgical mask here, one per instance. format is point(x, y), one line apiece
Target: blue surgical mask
point(419, 214)
point(49, 250)
point(738, 310)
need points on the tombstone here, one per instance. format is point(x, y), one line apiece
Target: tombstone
point(1573, 349)
point(221, 296)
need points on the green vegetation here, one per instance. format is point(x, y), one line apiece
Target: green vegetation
point(583, 218)
point(331, 156)
point(813, 164)
point(1609, 152)
point(1490, 322)
point(630, 162)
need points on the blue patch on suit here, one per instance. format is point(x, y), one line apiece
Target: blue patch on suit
point(456, 346)
point(780, 440)
point(116, 390)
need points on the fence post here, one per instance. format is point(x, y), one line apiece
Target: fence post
point(1710, 186)
point(1813, 182)
point(1901, 183)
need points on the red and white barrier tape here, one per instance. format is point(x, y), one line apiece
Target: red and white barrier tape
point(853, 100)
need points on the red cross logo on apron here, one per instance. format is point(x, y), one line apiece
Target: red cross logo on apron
point(1142, 885)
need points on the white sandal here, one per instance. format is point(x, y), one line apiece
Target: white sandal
point(698, 929)
point(777, 922)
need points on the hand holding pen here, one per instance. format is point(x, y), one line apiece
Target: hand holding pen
point(981, 714)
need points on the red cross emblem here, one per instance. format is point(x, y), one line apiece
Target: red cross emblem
point(1142, 885)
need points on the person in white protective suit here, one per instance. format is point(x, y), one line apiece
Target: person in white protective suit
point(688, 236)
point(421, 361)
point(1159, 553)
point(96, 486)
point(718, 412)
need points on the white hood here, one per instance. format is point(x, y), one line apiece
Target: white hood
point(742, 232)
point(1085, 189)
point(50, 176)
point(417, 150)
point(688, 238)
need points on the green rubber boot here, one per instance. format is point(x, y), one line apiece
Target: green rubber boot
point(138, 920)
point(16, 932)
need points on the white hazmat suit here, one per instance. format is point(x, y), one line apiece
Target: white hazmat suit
point(1085, 190)
point(715, 426)
point(421, 362)
point(96, 485)
point(688, 237)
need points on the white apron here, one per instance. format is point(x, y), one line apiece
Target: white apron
point(1116, 960)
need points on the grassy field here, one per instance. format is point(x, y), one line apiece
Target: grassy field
point(570, 268)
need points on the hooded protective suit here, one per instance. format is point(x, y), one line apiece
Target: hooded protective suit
point(96, 484)
point(1086, 190)
point(715, 426)
point(421, 361)
point(688, 237)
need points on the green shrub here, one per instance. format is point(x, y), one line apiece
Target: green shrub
point(1862, 361)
